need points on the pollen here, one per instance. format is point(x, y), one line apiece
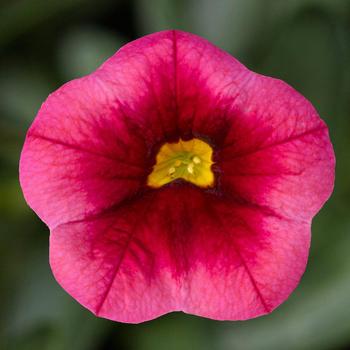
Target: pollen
point(171, 171)
point(196, 160)
point(187, 160)
point(190, 168)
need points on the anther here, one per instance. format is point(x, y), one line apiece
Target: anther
point(196, 160)
point(171, 171)
point(190, 168)
point(178, 163)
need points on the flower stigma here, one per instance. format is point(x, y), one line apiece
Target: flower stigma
point(188, 160)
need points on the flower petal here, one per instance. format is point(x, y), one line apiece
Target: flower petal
point(142, 78)
point(78, 157)
point(248, 261)
point(180, 248)
point(208, 82)
point(116, 264)
point(285, 161)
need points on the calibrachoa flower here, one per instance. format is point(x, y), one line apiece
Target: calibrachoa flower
point(173, 178)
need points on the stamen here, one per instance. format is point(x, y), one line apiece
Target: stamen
point(196, 160)
point(187, 160)
point(171, 171)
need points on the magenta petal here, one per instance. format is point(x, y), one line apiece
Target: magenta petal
point(113, 264)
point(196, 253)
point(78, 158)
point(131, 253)
point(208, 82)
point(249, 264)
point(287, 162)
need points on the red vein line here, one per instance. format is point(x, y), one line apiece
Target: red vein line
point(80, 149)
point(262, 174)
point(176, 81)
point(252, 280)
point(246, 268)
point(289, 139)
point(121, 259)
point(129, 200)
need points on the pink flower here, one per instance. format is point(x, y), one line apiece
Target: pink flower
point(173, 178)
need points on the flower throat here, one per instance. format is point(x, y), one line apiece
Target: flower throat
point(188, 160)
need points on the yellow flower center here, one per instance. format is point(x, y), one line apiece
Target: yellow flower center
point(189, 160)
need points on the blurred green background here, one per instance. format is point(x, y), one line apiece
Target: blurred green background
point(46, 43)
